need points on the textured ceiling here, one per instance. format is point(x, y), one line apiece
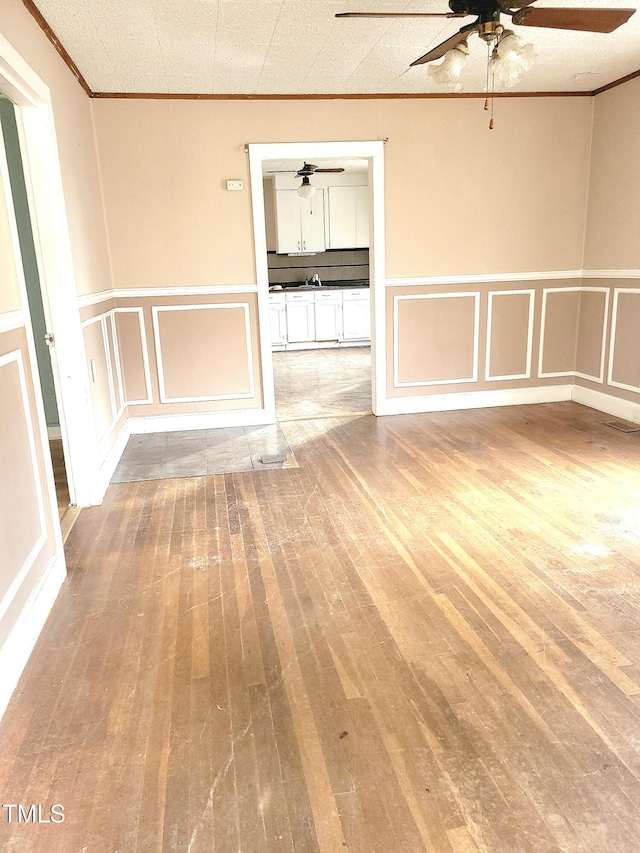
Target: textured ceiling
point(261, 47)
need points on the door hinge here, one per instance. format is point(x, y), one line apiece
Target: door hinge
point(49, 339)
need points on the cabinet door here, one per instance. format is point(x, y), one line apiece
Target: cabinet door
point(277, 324)
point(300, 322)
point(312, 222)
point(342, 217)
point(362, 217)
point(356, 320)
point(328, 315)
point(288, 234)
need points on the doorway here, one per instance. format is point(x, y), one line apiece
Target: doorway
point(10, 135)
point(373, 154)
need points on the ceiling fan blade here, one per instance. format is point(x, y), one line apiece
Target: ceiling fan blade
point(402, 14)
point(328, 170)
point(442, 48)
point(586, 20)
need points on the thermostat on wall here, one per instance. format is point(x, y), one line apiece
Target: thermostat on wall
point(235, 185)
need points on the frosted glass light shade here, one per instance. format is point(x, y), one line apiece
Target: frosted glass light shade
point(306, 190)
point(510, 60)
point(450, 68)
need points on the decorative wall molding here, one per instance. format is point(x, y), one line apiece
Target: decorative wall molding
point(157, 309)
point(543, 320)
point(154, 292)
point(15, 357)
point(198, 420)
point(476, 399)
point(16, 649)
point(610, 273)
point(145, 357)
point(483, 278)
point(11, 320)
point(612, 342)
point(530, 322)
point(116, 412)
point(603, 349)
point(608, 403)
point(476, 327)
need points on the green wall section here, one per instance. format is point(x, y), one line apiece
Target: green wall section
point(27, 249)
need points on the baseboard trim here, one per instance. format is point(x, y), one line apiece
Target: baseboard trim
point(109, 465)
point(474, 400)
point(629, 410)
point(22, 638)
point(199, 420)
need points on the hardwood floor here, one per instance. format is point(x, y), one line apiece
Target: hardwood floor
point(425, 638)
point(59, 476)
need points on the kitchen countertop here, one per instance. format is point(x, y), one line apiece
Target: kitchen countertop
point(330, 285)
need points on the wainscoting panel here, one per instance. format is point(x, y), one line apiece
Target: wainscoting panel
point(624, 355)
point(134, 355)
point(100, 375)
point(559, 331)
point(203, 352)
point(592, 333)
point(435, 339)
point(509, 334)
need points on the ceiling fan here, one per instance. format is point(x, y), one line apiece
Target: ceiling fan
point(521, 12)
point(306, 189)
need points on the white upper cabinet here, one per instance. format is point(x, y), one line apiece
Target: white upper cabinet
point(299, 222)
point(348, 217)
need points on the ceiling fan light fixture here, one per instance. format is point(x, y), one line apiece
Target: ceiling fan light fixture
point(510, 59)
point(306, 190)
point(450, 68)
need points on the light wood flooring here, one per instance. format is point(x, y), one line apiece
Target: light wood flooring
point(425, 638)
point(59, 476)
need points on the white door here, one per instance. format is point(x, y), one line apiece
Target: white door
point(312, 222)
point(300, 321)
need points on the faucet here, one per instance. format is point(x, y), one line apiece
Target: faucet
point(315, 280)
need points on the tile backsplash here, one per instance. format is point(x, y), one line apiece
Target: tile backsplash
point(334, 265)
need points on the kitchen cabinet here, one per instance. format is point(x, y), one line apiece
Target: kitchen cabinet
point(300, 317)
point(277, 320)
point(299, 222)
point(328, 315)
point(356, 315)
point(348, 209)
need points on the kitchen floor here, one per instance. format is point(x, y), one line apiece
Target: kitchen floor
point(322, 383)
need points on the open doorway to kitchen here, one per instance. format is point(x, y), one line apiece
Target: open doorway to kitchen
point(19, 197)
point(319, 256)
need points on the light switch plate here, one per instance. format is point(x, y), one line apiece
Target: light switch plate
point(235, 185)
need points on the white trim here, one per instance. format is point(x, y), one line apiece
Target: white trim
point(156, 309)
point(198, 420)
point(611, 273)
point(15, 356)
point(89, 299)
point(612, 342)
point(116, 414)
point(396, 338)
point(373, 151)
point(476, 399)
point(54, 433)
point(527, 374)
point(109, 463)
point(11, 320)
point(543, 320)
point(18, 646)
point(616, 406)
point(145, 356)
point(603, 347)
point(116, 358)
point(482, 278)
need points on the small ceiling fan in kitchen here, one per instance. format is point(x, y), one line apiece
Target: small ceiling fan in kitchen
point(507, 57)
point(306, 189)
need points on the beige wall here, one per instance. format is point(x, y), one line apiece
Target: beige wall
point(74, 128)
point(459, 198)
point(613, 222)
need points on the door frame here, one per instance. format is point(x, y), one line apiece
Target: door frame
point(43, 179)
point(373, 151)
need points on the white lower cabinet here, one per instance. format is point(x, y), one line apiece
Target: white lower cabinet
point(319, 317)
point(301, 327)
point(356, 315)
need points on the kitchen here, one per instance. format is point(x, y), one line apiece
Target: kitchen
point(317, 235)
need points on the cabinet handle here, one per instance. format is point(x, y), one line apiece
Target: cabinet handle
point(298, 245)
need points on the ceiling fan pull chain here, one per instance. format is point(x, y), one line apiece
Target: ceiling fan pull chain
point(493, 88)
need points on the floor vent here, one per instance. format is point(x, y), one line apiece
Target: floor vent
point(624, 426)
